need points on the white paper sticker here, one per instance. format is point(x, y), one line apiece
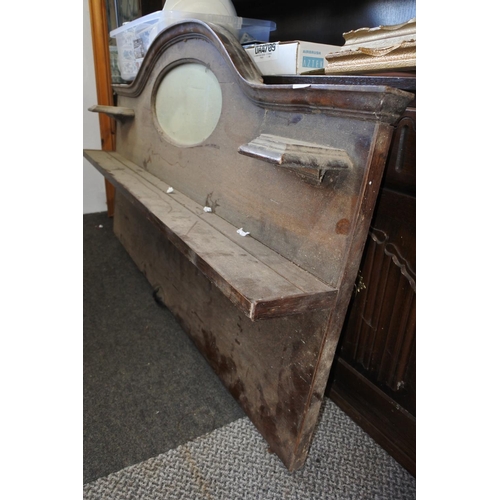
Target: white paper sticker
point(266, 51)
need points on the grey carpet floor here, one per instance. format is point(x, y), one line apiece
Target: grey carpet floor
point(233, 463)
point(147, 389)
point(159, 424)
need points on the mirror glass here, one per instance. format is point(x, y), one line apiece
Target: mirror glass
point(188, 103)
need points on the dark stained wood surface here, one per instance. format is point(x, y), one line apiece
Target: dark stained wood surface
point(374, 376)
point(270, 366)
point(279, 288)
point(387, 422)
point(380, 103)
point(311, 227)
point(406, 82)
point(278, 367)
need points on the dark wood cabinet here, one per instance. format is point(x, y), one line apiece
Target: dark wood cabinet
point(373, 378)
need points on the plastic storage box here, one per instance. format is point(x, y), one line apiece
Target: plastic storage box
point(134, 38)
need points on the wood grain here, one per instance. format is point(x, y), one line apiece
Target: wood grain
point(296, 270)
point(100, 37)
point(254, 285)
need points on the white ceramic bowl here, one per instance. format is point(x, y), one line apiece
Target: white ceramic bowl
point(221, 7)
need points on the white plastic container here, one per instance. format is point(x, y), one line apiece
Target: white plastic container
point(133, 39)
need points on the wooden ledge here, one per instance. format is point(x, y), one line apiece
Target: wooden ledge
point(262, 283)
point(116, 112)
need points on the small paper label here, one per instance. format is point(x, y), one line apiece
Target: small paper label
point(267, 51)
point(241, 232)
point(312, 62)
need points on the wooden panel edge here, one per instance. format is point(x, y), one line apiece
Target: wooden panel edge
point(254, 309)
point(377, 103)
point(102, 66)
point(352, 393)
point(293, 305)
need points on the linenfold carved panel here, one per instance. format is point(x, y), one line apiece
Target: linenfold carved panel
point(383, 337)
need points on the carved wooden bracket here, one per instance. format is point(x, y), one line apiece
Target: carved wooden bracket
point(116, 112)
point(309, 160)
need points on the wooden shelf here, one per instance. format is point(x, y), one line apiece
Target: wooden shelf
point(259, 281)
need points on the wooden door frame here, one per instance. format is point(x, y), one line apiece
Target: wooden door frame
point(100, 45)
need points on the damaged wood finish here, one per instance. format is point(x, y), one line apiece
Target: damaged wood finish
point(116, 112)
point(268, 366)
point(309, 160)
point(369, 101)
point(258, 281)
point(265, 309)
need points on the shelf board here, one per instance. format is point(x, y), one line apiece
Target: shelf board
point(262, 283)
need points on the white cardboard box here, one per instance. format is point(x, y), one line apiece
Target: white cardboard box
point(290, 58)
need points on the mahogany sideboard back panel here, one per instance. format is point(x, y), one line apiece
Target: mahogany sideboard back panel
point(247, 205)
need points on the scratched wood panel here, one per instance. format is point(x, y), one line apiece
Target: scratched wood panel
point(310, 225)
point(251, 284)
point(277, 368)
point(270, 367)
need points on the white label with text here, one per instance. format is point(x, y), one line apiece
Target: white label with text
point(267, 51)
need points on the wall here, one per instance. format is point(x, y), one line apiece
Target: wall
point(94, 195)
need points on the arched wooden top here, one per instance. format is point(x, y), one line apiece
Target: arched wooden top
point(366, 102)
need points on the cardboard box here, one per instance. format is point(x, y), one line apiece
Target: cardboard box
point(290, 58)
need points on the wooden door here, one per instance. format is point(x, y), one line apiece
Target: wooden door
point(100, 26)
point(100, 36)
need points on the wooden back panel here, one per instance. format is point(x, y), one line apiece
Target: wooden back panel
point(311, 224)
point(297, 167)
